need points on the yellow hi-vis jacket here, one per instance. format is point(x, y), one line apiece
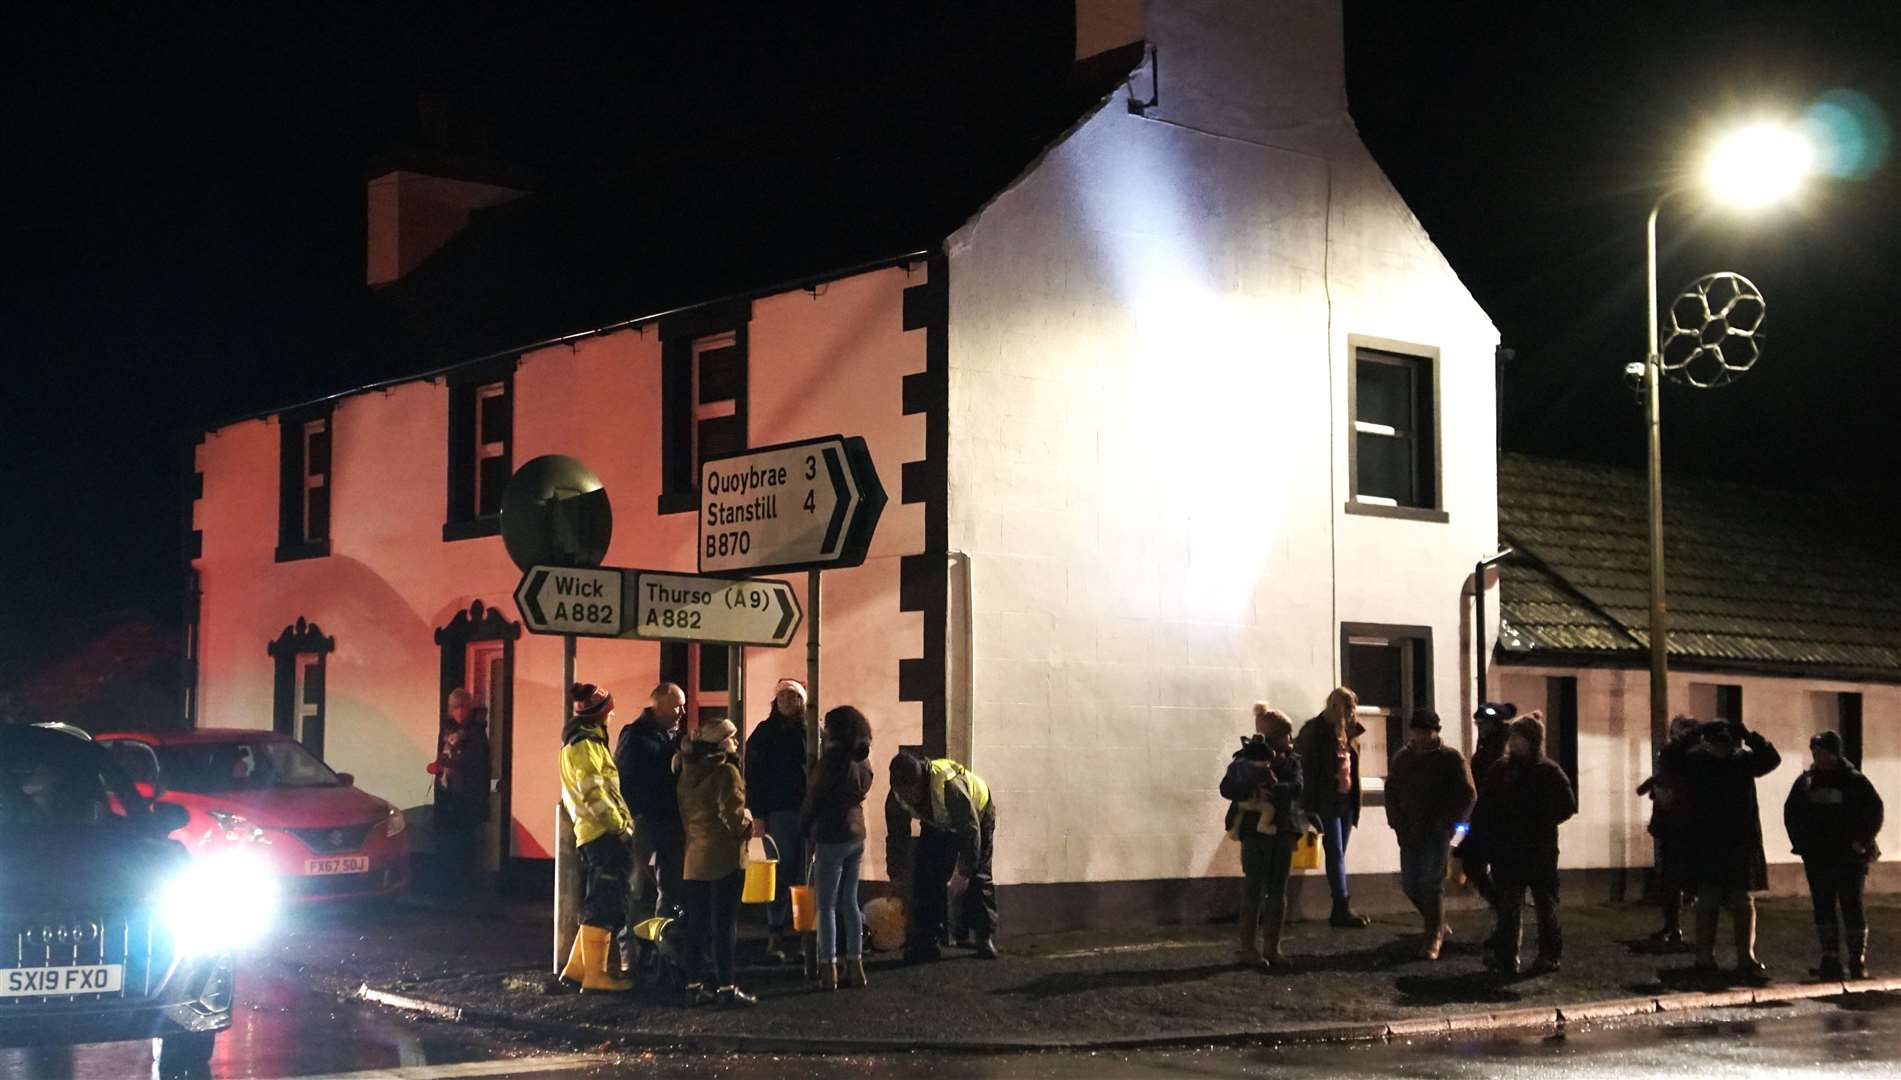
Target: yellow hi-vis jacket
point(590, 789)
point(959, 800)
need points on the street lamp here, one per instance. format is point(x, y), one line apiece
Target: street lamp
point(1749, 168)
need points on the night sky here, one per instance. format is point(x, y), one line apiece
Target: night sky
point(185, 222)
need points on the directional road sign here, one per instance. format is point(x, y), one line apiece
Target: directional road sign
point(809, 505)
point(690, 607)
point(572, 600)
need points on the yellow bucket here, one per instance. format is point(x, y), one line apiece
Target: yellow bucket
point(762, 875)
point(804, 908)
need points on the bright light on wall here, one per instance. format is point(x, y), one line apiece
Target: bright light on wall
point(1759, 165)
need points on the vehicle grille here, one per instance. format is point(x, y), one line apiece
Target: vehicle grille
point(342, 838)
point(65, 939)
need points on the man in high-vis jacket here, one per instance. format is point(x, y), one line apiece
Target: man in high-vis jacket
point(603, 830)
point(952, 857)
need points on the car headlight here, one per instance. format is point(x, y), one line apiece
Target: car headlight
point(236, 826)
point(397, 823)
point(219, 903)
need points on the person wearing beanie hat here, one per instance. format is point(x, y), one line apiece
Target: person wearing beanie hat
point(1522, 801)
point(775, 790)
point(712, 798)
point(1832, 815)
point(1262, 786)
point(603, 829)
point(1429, 791)
point(956, 840)
point(1723, 827)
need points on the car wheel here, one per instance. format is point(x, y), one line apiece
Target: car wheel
point(187, 1055)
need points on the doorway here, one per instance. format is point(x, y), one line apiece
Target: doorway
point(478, 654)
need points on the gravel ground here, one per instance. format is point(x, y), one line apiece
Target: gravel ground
point(1069, 988)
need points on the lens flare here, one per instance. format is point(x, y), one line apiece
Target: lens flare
point(219, 903)
point(1851, 134)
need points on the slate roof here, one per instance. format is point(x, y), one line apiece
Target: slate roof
point(1756, 579)
point(737, 218)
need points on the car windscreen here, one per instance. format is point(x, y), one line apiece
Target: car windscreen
point(241, 765)
point(59, 781)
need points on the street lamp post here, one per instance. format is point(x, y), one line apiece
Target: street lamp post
point(1752, 167)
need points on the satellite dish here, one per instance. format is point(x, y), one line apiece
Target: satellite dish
point(555, 513)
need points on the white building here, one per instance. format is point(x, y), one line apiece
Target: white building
point(1181, 411)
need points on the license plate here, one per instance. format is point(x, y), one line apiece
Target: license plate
point(346, 864)
point(60, 981)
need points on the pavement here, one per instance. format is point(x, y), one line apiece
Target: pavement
point(1129, 990)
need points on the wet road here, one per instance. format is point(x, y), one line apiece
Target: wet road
point(287, 1029)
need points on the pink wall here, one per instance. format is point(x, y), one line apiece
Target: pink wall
point(819, 362)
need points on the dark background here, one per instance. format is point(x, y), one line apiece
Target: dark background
point(184, 220)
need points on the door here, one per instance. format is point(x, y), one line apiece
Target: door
point(489, 682)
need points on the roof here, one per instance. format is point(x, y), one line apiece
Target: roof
point(1756, 579)
point(735, 219)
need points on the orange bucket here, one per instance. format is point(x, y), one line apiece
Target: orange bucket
point(804, 908)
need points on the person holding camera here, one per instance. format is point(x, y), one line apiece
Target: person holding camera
point(1833, 814)
point(1524, 799)
point(1723, 829)
point(1429, 792)
point(1667, 820)
point(1262, 786)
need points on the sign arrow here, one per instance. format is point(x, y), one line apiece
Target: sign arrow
point(531, 598)
point(809, 505)
point(791, 610)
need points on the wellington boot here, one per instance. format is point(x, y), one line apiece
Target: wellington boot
point(1273, 923)
point(1250, 954)
point(828, 976)
point(853, 975)
point(600, 971)
point(571, 973)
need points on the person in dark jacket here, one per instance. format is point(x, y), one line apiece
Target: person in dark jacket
point(1490, 720)
point(461, 788)
point(833, 819)
point(644, 755)
point(1832, 815)
point(1724, 827)
point(956, 840)
point(1329, 749)
point(1428, 793)
point(1262, 786)
point(1665, 790)
point(775, 790)
point(1524, 799)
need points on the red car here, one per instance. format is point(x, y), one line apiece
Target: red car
point(327, 839)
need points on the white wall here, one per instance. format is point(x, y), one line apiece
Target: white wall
point(1614, 750)
point(1148, 357)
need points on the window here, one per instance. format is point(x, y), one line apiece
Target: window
point(703, 397)
point(481, 444)
point(301, 653)
point(303, 494)
point(1561, 723)
point(1393, 452)
point(1851, 727)
point(1716, 701)
point(1390, 669)
point(1840, 713)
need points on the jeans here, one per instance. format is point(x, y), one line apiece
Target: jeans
point(663, 843)
point(1422, 868)
point(1265, 860)
point(712, 928)
point(1334, 834)
point(783, 827)
point(838, 911)
point(1540, 875)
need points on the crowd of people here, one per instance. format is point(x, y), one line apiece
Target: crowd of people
point(665, 821)
point(1494, 819)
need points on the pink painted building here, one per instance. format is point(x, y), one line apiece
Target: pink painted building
point(1178, 406)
